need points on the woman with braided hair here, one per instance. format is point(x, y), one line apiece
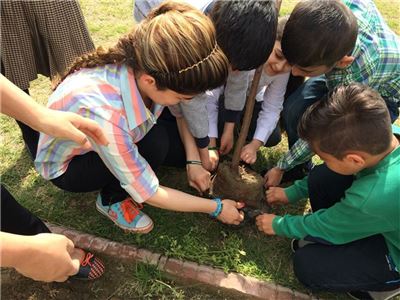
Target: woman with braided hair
point(166, 59)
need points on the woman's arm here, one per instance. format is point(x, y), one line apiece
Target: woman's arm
point(175, 200)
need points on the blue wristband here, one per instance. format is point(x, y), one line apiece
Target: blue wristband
point(218, 210)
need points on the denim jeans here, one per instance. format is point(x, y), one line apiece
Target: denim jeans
point(296, 104)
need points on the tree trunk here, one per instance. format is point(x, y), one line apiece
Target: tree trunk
point(246, 119)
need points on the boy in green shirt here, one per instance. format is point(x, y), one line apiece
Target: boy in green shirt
point(351, 241)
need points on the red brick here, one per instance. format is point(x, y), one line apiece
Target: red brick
point(284, 293)
point(250, 285)
point(72, 234)
point(55, 228)
point(99, 244)
point(184, 269)
point(298, 295)
point(189, 270)
point(161, 262)
point(83, 240)
point(112, 248)
point(148, 257)
point(267, 291)
point(173, 266)
point(233, 281)
point(205, 274)
point(127, 252)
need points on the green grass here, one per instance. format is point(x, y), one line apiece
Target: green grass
point(122, 280)
point(189, 236)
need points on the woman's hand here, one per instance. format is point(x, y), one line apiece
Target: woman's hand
point(230, 213)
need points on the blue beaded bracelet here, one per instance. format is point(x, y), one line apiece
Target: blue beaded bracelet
point(218, 210)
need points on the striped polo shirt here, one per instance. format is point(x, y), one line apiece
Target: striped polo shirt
point(109, 96)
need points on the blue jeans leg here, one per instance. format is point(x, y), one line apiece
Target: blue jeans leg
point(297, 103)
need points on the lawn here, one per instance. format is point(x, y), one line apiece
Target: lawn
point(190, 236)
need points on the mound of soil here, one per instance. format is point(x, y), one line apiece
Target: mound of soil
point(246, 186)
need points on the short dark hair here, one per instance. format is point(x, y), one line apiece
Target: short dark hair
point(350, 118)
point(246, 30)
point(319, 33)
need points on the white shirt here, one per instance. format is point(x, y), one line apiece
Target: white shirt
point(271, 91)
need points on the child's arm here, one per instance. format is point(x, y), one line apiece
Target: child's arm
point(212, 111)
point(235, 99)
point(195, 112)
point(291, 194)
point(299, 153)
point(271, 107)
point(198, 177)
point(346, 221)
point(268, 117)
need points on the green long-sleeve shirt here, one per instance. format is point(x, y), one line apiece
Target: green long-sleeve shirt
point(370, 206)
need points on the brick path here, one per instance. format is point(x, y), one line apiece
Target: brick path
point(184, 270)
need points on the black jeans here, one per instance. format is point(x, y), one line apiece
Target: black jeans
point(360, 265)
point(17, 219)
point(30, 137)
point(88, 173)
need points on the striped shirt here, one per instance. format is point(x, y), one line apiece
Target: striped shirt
point(109, 96)
point(376, 64)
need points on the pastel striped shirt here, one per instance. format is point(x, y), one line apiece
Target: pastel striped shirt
point(109, 96)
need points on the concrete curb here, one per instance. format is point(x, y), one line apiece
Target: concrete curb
point(185, 270)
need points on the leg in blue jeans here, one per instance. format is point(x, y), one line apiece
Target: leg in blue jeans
point(296, 104)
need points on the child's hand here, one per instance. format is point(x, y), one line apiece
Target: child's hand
point(276, 195)
point(227, 139)
point(249, 152)
point(226, 143)
point(198, 177)
point(273, 177)
point(214, 159)
point(264, 223)
point(230, 212)
point(206, 159)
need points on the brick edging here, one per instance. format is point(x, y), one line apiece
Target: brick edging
point(185, 270)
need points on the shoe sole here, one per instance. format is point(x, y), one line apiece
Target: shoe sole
point(126, 229)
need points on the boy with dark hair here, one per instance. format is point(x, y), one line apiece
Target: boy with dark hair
point(246, 31)
point(351, 241)
point(344, 42)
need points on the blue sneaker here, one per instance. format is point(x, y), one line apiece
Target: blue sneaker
point(126, 215)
